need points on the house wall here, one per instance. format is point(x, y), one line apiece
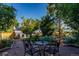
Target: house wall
point(6, 35)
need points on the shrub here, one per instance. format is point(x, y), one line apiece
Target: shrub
point(5, 43)
point(47, 38)
point(39, 38)
point(71, 40)
point(34, 38)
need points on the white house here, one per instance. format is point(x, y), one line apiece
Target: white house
point(19, 33)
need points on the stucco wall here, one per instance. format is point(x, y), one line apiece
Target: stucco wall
point(5, 35)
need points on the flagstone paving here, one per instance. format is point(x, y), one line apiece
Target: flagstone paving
point(69, 51)
point(17, 49)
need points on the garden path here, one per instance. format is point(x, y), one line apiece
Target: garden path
point(17, 49)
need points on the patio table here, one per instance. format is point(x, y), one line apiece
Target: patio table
point(41, 46)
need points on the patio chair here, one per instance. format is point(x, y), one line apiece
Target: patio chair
point(31, 48)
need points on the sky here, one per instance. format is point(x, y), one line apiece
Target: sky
point(29, 10)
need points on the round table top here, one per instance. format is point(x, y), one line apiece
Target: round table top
point(41, 42)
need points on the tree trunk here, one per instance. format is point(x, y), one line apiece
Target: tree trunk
point(31, 52)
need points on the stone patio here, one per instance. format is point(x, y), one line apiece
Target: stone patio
point(17, 49)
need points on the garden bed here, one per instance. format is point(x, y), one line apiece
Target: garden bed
point(5, 44)
point(73, 45)
point(3, 49)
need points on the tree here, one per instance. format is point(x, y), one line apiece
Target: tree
point(29, 25)
point(7, 16)
point(69, 13)
point(16, 23)
point(47, 25)
point(66, 12)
